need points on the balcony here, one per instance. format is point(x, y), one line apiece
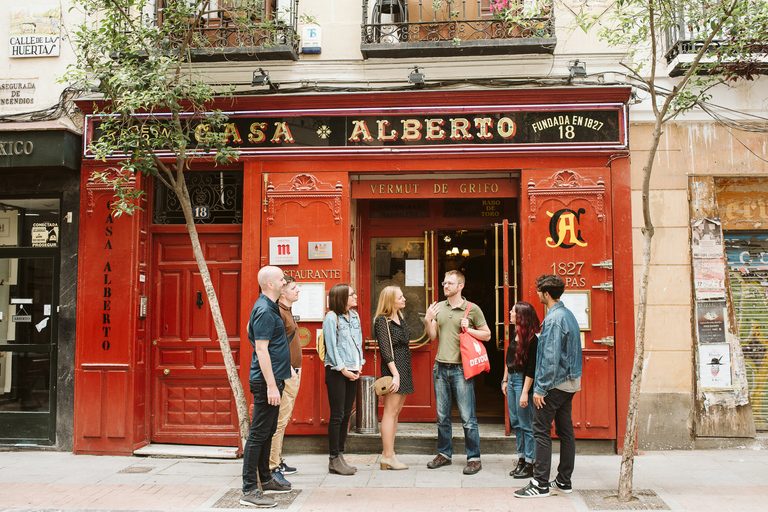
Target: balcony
point(683, 41)
point(440, 28)
point(239, 29)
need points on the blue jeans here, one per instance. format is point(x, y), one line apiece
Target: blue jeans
point(521, 419)
point(450, 382)
point(257, 446)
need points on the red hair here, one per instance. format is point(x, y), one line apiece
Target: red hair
point(526, 326)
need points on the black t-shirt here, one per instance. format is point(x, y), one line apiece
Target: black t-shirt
point(529, 367)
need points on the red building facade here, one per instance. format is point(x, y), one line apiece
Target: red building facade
point(368, 189)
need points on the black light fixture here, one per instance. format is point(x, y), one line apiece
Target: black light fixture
point(415, 77)
point(576, 68)
point(261, 78)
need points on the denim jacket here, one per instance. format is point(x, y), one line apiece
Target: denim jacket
point(346, 350)
point(558, 357)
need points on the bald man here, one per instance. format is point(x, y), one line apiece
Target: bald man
point(270, 367)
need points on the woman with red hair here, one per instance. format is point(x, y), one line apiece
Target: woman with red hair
point(518, 382)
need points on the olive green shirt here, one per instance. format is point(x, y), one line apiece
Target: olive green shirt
point(449, 328)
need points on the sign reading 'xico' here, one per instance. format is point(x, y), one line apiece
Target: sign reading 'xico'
point(598, 127)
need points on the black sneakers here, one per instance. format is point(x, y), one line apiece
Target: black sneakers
point(439, 461)
point(532, 490)
point(256, 498)
point(273, 486)
point(566, 488)
point(285, 468)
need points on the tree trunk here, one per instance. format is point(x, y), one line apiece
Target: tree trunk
point(243, 419)
point(630, 436)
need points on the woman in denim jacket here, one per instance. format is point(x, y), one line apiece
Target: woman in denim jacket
point(343, 362)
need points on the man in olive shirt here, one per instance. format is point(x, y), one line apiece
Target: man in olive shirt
point(289, 295)
point(445, 320)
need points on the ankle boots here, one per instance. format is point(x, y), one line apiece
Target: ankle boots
point(523, 470)
point(337, 465)
point(391, 463)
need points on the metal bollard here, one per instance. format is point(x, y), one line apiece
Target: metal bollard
point(367, 406)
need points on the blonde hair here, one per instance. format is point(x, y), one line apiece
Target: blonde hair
point(386, 305)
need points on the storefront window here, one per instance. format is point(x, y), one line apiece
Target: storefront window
point(29, 222)
point(26, 301)
point(399, 261)
point(25, 381)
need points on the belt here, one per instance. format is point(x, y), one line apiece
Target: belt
point(449, 365)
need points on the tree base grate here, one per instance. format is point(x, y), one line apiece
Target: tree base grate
point(232, 499)
point(642, 499)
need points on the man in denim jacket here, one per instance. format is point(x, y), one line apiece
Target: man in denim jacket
point(558, 378)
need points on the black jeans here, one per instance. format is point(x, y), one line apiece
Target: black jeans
point(557, 408)
point(341, 399)
point(263, 427)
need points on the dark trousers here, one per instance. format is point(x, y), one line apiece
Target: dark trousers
point(341, 399)
point(263, 427)
point(557, 408)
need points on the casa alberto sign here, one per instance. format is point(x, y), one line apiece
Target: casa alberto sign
point(599, 127)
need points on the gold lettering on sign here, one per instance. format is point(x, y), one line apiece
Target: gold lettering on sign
point(313, 274)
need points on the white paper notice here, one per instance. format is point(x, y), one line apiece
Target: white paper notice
point(311, 304)
point(414, 272)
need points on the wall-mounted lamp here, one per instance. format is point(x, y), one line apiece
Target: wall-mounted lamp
point(415, 77)
point(465, 253)
point(448, 252)
point(576, 68)
point(261, 78)
point(455, 251)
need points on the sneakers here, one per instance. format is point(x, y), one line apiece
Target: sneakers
point(285, 468)
point(256, 498)
point(279, 478)
point(473, 467)
point(566, 488)
point(274, 487)
point(439, 462)
point(532, 490)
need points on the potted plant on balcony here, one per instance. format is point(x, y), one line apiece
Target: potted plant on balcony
point(530, 18)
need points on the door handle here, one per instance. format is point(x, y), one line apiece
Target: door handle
point(166, 371)
point(199, 300)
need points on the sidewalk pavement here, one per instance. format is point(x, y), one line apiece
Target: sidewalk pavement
point(701, 480)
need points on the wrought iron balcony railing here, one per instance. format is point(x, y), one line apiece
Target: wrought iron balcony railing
point(241, 29)
point(684, 38)
point(416, 28)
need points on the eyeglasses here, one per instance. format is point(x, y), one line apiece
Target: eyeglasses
point(446, 283)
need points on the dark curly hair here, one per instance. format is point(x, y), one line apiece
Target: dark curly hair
point(552, 284)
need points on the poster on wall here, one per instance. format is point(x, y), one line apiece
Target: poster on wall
point(710, 321)
point(35, 31)
point(715, 366)
point(706, 238)
point(284, 250)
point(709, 278)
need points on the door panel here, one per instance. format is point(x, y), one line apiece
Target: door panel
point(568, 233)
point(192, 399)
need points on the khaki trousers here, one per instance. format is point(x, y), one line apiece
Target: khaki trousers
point(287, 401)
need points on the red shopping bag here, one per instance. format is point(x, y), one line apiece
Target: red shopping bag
point(474, 358)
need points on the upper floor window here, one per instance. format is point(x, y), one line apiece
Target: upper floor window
point(29, 222)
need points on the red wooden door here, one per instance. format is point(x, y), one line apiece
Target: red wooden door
point(405, 260)
point(192, 399)
point(568, 232)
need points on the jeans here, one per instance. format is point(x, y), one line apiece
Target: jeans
point(450, 382)
point(287, 401)
point(341, 399)
point(557, 408)
point(263, 426)
point(521, 419)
